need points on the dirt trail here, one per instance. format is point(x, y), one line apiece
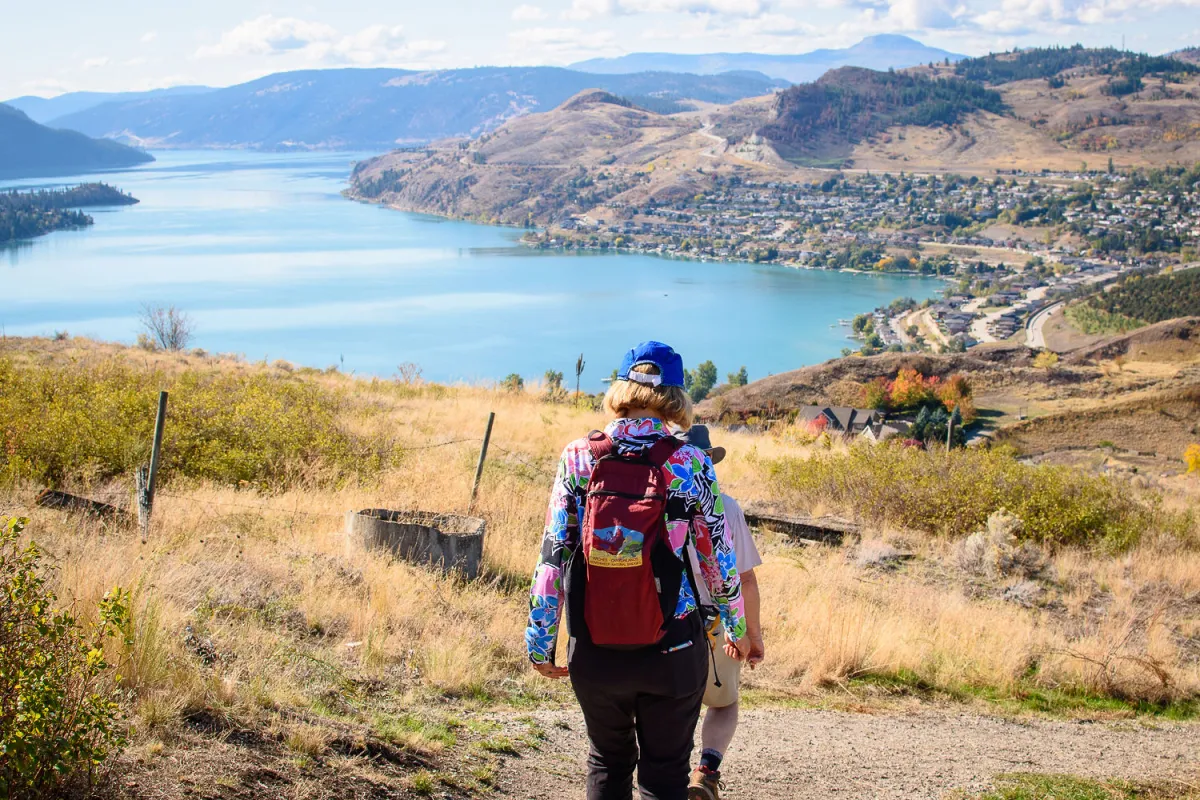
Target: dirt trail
point(788, 753)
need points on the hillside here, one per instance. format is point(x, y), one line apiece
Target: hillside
point(264, 654)
point(882, 52)
point(29, 150)
point(1139, 301)
point(1139, 392)
point(44, 110)
point(539, 167)
point(377, 109)
point(1050, 62)
point(851, 104)
point(1064, 108)
point(926, 118)
point(1171, 340)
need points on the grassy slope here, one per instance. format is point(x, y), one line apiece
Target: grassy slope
point(264, 651)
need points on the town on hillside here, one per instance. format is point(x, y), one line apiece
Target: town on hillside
point(1010, 247)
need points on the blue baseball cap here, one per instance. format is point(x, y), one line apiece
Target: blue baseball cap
point(670, 365)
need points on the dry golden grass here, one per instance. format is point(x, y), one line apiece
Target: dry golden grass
point(249, 607)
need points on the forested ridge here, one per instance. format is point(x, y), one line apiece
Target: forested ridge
point(1125, 68)
point(25, 214)
point(855, 103)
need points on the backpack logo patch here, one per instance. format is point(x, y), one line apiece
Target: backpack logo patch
point(616, 548)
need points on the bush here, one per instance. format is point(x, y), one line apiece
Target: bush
point(58, 711)
point(95, 421)
point(953, 494)
point(1191, 457)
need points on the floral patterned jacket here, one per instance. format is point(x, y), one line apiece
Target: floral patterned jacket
point(695, 515)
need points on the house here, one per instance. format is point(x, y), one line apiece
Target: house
point(882, 431)
point(840, 419)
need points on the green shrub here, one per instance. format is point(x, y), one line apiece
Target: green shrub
point(58, 710)
point(952, 494)
point(63, 422)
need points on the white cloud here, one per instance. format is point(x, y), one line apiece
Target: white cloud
point(1027, 16)
point(47, 87)
point(148, 37)
point(917, 15)
point(136, 62)
point(528, 13)
point(96, 63)
point(554, 41)
point(773, 25)
point(589, 9)
point(317, 42)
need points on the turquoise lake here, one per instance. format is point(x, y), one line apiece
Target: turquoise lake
point(270, 261)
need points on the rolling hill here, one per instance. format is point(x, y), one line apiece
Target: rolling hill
point(537, 168)
point(44, 110)
point(875, 52)
point(29, 150)
point(850, 104)
point(599, 158)
point(379, 108)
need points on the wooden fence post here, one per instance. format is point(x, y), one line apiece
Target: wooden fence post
point(146, 478)
point(487, 437)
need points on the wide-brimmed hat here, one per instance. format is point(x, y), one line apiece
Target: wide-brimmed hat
point(697, 436)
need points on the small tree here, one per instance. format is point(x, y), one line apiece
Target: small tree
point(704, 378)
point(579, 365)
point(169, 327)
point(554, 386)
point(875, 395)
point(408, 373)
point(58, 709)
point(1191, 457)
point(1046, 359)
point(512, 383)
point(739, 378)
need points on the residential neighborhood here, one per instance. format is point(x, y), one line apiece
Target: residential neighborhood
point(1008, 247)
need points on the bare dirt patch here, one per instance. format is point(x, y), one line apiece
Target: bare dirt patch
point(791, 753)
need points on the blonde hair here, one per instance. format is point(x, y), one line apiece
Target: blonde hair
point(670, 403)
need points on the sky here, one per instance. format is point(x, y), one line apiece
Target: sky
point(131, 45)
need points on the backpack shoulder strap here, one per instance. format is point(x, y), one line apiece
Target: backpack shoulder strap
point(662, 450)
point(601, 445)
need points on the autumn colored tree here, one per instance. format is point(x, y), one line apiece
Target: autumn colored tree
point(955, 393)
point(911, 390)
point(876, 395)
point(1191, 457)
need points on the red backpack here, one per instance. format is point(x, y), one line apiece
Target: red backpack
point(623, 581)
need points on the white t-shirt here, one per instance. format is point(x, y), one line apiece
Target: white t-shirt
point(739, 535)
point(740, 540)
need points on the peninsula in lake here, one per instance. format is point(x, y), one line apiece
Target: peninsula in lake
point(30, 150)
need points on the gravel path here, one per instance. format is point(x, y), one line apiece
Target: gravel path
point(788, 753)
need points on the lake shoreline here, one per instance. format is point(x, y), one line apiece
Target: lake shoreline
point(269, 256)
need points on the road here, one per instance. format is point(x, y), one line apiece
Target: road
point(1035, 336)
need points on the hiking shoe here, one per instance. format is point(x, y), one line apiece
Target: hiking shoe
point(705, 785)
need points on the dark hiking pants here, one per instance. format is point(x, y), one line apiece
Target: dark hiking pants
point(641, 708)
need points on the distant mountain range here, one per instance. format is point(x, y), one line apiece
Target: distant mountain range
point(379, 109)
point(43, 110)
point(30, 150)
point(875, 52)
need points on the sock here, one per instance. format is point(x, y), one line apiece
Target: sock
point(710, 759)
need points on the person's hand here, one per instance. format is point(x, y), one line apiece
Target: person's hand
point(758, 652)
point(548, 670)
point(738, 650)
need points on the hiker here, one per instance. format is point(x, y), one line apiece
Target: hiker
point(628, 507)
point(721, 696)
